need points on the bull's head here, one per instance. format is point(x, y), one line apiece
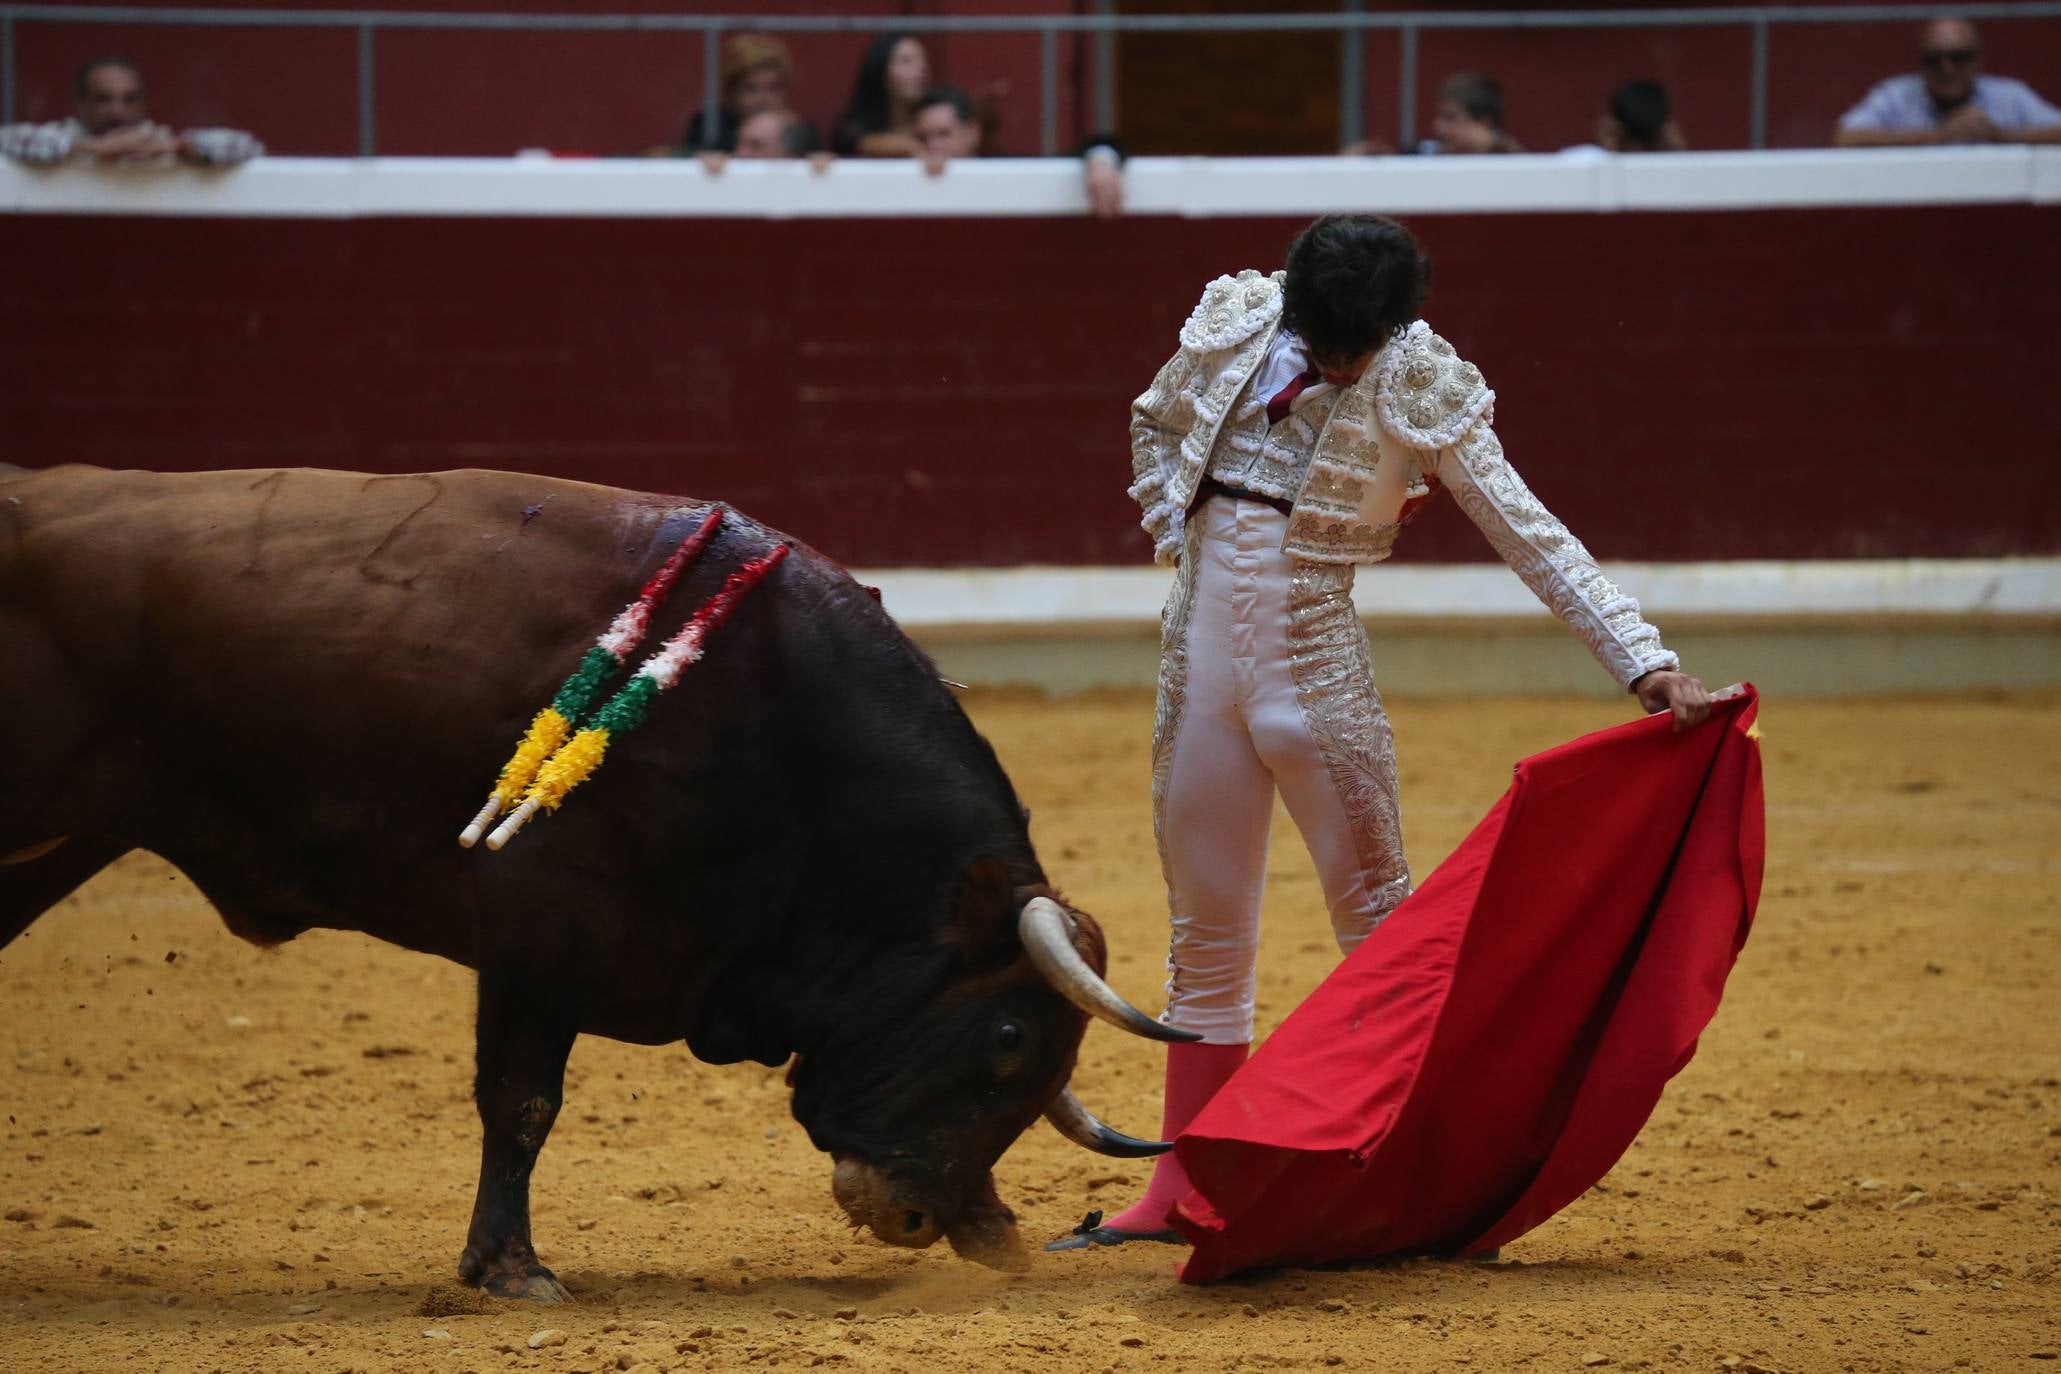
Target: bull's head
point(935, 1077)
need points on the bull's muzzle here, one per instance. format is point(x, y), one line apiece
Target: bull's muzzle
point(899, 1213)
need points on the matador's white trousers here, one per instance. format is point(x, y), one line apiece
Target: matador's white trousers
point(1265, 682)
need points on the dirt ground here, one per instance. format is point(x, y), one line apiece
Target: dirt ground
point(217, 1157)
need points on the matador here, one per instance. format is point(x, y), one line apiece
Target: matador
point(1304, 419)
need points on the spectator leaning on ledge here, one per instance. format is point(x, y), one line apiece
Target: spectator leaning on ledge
point(1640, 120)
point(110, 126)
point(1949, 100)
point(774, 133)
point(1469, 118)
point(945, 125)
point(769, 135)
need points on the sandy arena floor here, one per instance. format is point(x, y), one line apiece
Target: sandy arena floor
point(221, 1158)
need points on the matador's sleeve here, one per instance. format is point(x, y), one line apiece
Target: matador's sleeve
point(1437, 403)
point(1160, 420)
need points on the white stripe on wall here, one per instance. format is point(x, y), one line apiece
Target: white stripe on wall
point(1035, 600)
point(347, 188)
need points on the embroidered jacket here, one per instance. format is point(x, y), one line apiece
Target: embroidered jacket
point(1418, 420)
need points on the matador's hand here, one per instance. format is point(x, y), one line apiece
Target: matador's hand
point(1679, 693)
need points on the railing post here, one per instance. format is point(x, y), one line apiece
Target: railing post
point(1757, 117)
point(1105, 73)
point(1048, 91)
point(711, 84)
point(1352, 80)
point(6, 69)
point(1406, 88)
point(368, 114)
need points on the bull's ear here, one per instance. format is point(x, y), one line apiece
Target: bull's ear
point(983, 916)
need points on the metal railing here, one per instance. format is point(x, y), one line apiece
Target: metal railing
point(1352, 20)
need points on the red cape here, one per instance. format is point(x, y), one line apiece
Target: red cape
point(1492, 1049)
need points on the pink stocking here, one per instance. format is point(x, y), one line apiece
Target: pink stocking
point(1193, 1075)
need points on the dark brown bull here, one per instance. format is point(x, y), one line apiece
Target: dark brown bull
point(296, 686)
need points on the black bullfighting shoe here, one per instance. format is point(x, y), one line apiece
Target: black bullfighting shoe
point(1091, 1232)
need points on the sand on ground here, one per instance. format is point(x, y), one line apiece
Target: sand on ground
point(217, 1157)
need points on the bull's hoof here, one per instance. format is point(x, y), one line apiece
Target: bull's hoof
point(529, 1280)
point(534, 1284)
point(537, 1285)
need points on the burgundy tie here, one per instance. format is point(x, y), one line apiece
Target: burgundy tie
point(1277, 408)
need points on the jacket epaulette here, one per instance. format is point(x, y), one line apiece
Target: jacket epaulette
point(1427, 396)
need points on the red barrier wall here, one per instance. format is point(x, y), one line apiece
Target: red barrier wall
point(491, 94)
point(1803, 384)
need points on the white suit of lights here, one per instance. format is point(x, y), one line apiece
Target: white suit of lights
point(1266, 677)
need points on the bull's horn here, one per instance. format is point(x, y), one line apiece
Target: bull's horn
point(1047, 935)
point(1079, 1125)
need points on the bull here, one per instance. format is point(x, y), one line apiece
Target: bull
point(294, 685)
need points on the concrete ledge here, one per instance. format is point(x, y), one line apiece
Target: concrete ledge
point(1187, 187)
point(1044, 602)
point(1827, 660)
point(1798, 629)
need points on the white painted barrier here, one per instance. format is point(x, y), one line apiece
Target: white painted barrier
point(1037, 601)
point(342, 188)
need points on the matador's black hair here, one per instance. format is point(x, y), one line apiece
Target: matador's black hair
point(1354, 283)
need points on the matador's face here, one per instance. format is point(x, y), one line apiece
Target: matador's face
point(1343, 372)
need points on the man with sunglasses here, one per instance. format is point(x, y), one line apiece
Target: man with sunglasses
point(1949, 100)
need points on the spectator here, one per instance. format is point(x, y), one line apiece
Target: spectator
point(880, 120)
point(1639, 122)
point(1102, 176)
point(774, 133)
point(757, 71)
point(1469, 118)
point(1949, 100)
point(110, 126)
point(769, 134)
point(945, 125)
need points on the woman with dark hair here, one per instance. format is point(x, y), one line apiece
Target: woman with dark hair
point(893, 75)
point(1305, 417)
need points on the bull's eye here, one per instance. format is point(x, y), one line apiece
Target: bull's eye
point(1011, 1043)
